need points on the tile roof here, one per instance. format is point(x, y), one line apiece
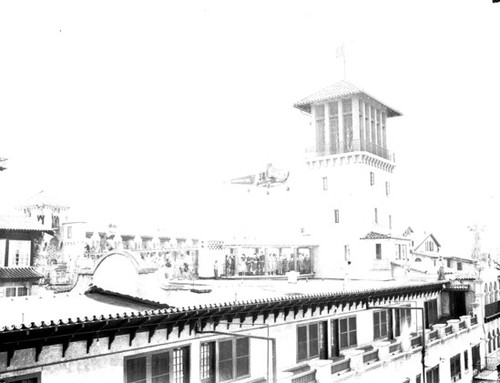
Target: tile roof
point(9, 273)
point(11, 222)
point(222, 309)
point(340, 89)
point(374, 235)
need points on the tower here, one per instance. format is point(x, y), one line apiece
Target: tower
point(349, 175)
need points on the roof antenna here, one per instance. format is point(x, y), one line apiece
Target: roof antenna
point(341, 53)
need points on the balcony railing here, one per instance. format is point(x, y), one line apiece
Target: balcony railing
point(341, 366)
point(306, 378)
point(370, 356)
point(448, 329)
point(354, 146)
point(394, 348)
point(492, 310)
point(416, 341)
point(433, 335)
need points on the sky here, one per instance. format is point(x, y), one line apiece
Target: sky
point(137, 112)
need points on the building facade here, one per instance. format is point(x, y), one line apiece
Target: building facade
point(391, 334)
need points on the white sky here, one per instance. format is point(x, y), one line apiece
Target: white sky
point(136, 111)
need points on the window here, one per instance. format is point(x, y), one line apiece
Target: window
point(307, 342)
point(325, 183)
point(429, 246)
point(347, 332)
point(337, 216)
point(380, 324)
point(348, 131)
point(466, 360)
point(403, 320)
point(432, 375)
point(476, 358)
point(207, 362)
point(378, 251)
point(334, 127)
point(10, 292)
point(431, 312)
point(347, 253)
point(459, 266)
point(401, 251)
point(418, 378)
point(448, 263)
point(387, 188)
point(70, 232)
point(22, 291)
point(234, 359)
point(166, 366)
point(455, 368)
point(31, 378)
point(376, 215)
point(372, 178)
point(320, 129)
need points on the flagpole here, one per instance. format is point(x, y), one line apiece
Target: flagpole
point(344, 64)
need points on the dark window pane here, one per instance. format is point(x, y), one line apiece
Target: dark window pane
point(226, 350)
point(376, 332)
point(302, 334)
point(376, 319)
point(313, 348)
point(352, 323)
point(160, 379)
point(352, 338)
point(225, 370)
point(343, 340)
point(242, 347)
point(343, 325)
point(313, 331)
point(302, 351)
point(160, 364)
point(136, 370)
point(242, 366)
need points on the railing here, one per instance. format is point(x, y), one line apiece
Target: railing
point(448, 330)
point(433, 335)
point(416, 341)
point(461, 325)
point(473, 320)
point(370, 356)
point(394, 348)
point(353, 146)
point(308, 377)
point(341, 365)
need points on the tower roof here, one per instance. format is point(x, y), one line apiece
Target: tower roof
point(338, 90)
point(43, 199)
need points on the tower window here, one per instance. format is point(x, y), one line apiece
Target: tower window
point(347, 253)
point(376, 215)
point(372, 178)
point(387, 188)
point(337, 216)
point(378, 250)
point(325, 183)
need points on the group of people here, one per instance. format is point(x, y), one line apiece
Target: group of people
point(255, 264)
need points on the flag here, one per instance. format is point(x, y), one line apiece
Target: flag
point(340, 51)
